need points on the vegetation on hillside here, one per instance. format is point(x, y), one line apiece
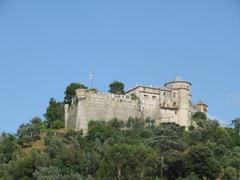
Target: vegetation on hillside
point(136, 149)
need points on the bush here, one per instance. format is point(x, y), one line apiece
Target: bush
point(192, 176)
point(58, 124)
point(230, 173)
point(36, 121)
point(53, 173)
point(8, 147)
point(22, 168)
point(55, 111)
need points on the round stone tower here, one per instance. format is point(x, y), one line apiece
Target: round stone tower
point(183, 90)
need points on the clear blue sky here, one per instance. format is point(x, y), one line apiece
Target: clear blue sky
point(45, 45)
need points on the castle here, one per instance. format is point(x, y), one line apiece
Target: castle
point(172, 103)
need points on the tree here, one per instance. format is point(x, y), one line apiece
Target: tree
point(168, 138)
point(200, 160)
point(116, 87)
point(136, 149)
point(135, 124)
point(192, 176)
point(234, 159)
point(54, 112)
point(128, 162)
point(173, 165)
point(36, 121)
point(98, 130)
point(52, 173)
point(236, 124)
point(89, 163)
point(58, 124)
point(193, 137)
point(40, 159)
point(116, 124)
point(70, 91)
point(8, 147)
point(55, 147)
point(199, 117)
point(21, 168)
point(27, 133)
point(230, 173)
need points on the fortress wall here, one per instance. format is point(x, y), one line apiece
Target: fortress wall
point(184, 117)
point(99, 106)
point(172, 104)
point(168, 115)
point(151, 108)
point(72, 117)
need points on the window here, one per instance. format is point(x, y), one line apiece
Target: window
point(145, 96)
point(174, 104)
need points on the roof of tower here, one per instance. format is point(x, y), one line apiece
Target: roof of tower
point(201, 103)
point(178, 80)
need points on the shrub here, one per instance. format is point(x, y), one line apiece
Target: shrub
point(58, 124)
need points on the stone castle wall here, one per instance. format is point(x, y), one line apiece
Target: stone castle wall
point(169, 104)
point(71, 114)
point(100, 106)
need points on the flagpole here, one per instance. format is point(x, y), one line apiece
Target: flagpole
point(91, 79)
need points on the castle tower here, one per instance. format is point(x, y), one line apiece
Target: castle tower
point(183, 90)
point(203, 107)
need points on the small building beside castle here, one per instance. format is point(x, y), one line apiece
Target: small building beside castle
point(172, 103)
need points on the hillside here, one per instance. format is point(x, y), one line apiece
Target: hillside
point(131, 150)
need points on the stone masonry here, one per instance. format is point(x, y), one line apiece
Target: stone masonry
point(172, 103)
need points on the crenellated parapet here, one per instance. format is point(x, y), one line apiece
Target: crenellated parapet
point(84, 94)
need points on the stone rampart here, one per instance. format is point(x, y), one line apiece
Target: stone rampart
point(101, 106)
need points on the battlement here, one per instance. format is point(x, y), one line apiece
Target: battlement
point(84, 94)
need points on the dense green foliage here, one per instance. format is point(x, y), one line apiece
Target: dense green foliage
point(131, 150)
point(236, 124)
point(116, 87)
point(8, 146)
point(27, 133)
point(54, 112)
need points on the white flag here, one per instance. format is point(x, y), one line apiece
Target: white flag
point(91, 76)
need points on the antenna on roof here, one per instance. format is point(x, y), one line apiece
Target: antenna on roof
point(91, 79)
point(178, 78)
